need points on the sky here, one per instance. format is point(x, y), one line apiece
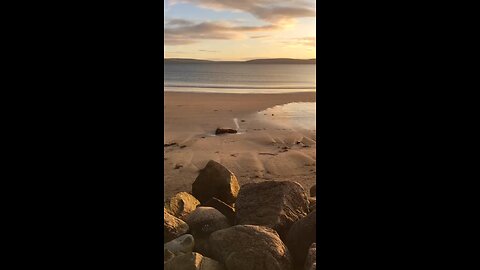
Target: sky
point(239, 29)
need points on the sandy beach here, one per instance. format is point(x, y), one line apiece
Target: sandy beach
point(266, 147)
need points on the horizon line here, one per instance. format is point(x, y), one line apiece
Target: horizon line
point(285, 58)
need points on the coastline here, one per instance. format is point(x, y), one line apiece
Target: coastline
point(238, 90)
point(263, 150)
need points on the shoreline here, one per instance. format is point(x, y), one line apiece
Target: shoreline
point(263, 150)
point(239, 90)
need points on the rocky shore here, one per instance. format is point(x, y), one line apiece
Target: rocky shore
point(221, 225)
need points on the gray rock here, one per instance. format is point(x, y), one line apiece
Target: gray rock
point(181, 204)
point(172, 227)
point(311, 261)
point(223, 208)
point(202, 222)
point(301, 236)
point(192, 261)
point(205, 220)
point(181, 245)
point(215, 181)
point(243, 247)
point(273, 204)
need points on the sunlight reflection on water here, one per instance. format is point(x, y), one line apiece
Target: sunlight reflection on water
point(299, 114)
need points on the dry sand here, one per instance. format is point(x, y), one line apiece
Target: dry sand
point(263, 150)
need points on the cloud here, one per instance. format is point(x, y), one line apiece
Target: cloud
point(273, 11)
point(307, 41)
point(177, 52)
point(278, 14)
point(304, 41)
point(177, 41)
point(260, 36)
point(207, 51)
point(177, 22)
point(189, 32)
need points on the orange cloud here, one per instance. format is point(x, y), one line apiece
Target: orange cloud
point(189, 32)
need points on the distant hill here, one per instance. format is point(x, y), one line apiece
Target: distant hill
point(282, 61)
point(254, 61)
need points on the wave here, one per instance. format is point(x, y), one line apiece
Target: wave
point(243, 87)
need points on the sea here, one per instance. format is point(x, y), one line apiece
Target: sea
point(250, 78)
point(239, 77)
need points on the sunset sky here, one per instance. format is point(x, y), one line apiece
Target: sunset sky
point(239, 29)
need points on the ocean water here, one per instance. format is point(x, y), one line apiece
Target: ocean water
point(239, 77)
point(295, 114)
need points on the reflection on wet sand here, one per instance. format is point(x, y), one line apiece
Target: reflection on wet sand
point(295, 114)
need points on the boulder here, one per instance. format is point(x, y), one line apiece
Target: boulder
point(223, 208)
point(181, 245)
point(215, 181)
point(276, 205)
point(181, 204)
point(313, 191)
point(172, 227)
point(192, 261)
point(312, 204)
point(311, 261)
point(205, 220)
point(202, 222)
point(224, 131)
point(167, 255)
point(244, 247)
point(301, 236)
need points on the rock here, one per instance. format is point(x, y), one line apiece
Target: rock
point(273, 204)
point(205, 220)
point(181, 204)
point(223, 208)
point(172, 227)
point(192, 261)
point(181, 245)
point(170, 144)
point(202, 222)
point(251, 259)
point(224, 130)
point(244, 247)
point(215, 181)
point(210, 264)
point(312, 203)
point(313, 191)
point(301, 236)
point(311, 261)
point(167, 255)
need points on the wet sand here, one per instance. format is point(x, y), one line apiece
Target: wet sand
point(267, 148)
